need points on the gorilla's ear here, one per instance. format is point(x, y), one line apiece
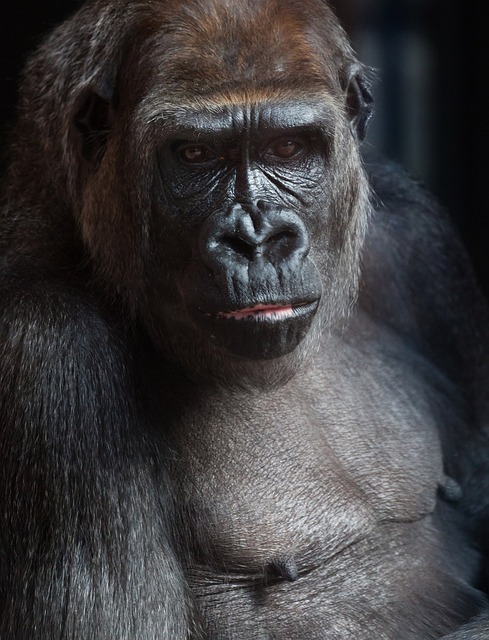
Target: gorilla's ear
point(94, 118)
point(358, 96)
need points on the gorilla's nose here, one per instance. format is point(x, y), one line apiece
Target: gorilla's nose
point(253, 234)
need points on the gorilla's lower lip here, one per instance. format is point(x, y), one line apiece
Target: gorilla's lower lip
point(267, 312)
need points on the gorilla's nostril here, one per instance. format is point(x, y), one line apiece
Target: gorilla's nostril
point(284, 242)
point(239, 246)
point(273, 245)
point(273, 235)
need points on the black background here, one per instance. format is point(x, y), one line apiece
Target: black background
point(456, 138)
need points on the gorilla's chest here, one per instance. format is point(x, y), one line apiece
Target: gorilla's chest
point(308, 470)
point(304, 484)
point(312, 507)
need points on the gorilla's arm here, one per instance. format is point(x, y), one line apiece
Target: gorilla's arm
point(83, 530)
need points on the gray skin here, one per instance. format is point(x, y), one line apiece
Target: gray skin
point(243, 368)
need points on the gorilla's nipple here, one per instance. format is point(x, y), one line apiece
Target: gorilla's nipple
point(450, 490)
point(286, 568)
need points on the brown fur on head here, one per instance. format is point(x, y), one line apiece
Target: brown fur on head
point(127, 66)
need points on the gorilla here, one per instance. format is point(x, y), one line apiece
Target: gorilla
point(243, 365)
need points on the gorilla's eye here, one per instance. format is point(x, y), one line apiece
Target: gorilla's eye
point(284, 149)
point(196, 153)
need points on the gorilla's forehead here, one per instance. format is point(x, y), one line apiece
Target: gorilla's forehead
point(249, 42)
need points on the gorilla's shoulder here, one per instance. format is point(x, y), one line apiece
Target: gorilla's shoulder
point(398, 193)
point(410, 232)
point(416, 273)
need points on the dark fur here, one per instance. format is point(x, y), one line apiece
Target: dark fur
point(161, 480)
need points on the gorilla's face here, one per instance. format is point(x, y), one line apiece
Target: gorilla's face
point(252, 246)
point(258, 197)
point(243, 185)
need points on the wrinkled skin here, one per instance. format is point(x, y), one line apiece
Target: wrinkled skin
point(243, 369)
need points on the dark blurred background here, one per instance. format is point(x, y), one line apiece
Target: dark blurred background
point(432, 63)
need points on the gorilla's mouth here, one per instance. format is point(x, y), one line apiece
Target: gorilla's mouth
point(258, 330)
point(267, 312)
